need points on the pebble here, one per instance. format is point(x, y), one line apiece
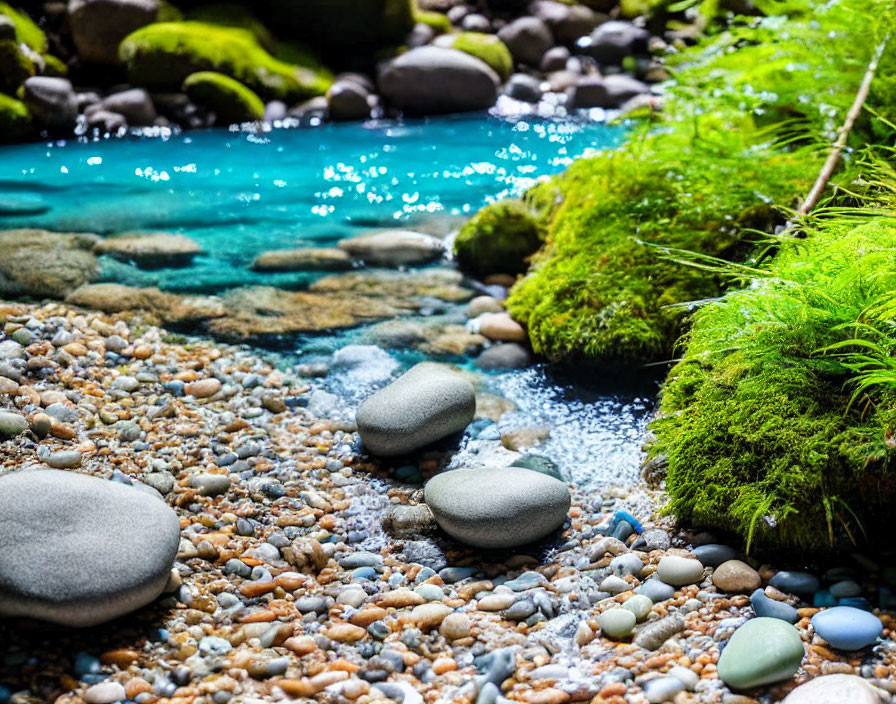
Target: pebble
point(204, 388)
point(639, 605)
point(655, 634)
point(799, 583)
point(617, 622)
point(736, 576)
point(772, 608)
point(626, 564)
point(679, 571)
point(761, 651)
point(834, 689)
point(64, 459)
point(12, 424)
point(656, 590)
point(847, 628)
point(662, 689)
point(105, 693)
point(211, 484)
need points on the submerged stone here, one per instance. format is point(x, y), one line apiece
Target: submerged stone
point(762, 651)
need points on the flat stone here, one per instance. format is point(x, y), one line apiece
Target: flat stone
point(713, 554)
point(762, 651)
point(799, 583)
point(307, 259)
point(78, 550)
point(847, 628)
point(834, 689)
point(427, 403)
point(150, 250)
point(656, 590)
point(678, 571)
point(393, 248)
point(497, 507)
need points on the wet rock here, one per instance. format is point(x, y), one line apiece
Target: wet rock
point(134, 104)
point(799, 583)
point(713, 554)
point(497, 507)
point(150, 250)
point(528, 38)
point(432, 80)
point(425, 404)
point(52, 101)
point(348, 101)
point(523, 87)
point(308, 259)
point(510, 355)
point(393, 248)
point(98, 26)
point(606, 91)
point(613, 41)
point(567, 22)
point(110, 551)
point(501, 327)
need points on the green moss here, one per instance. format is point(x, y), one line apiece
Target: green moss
point(230, 100)
point(439, 22)
point(498, 239)
point(596, 290)
point(54, 66)
point(168, 13)
point(27, 31)
point(15, 67)
point(757, 421)
point(487, 48)
point(160, 56)
point(15, 120)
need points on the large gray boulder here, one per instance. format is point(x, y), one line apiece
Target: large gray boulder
point(427, 403)
point(52, 101)
point(501, 507)
point(432, 80)
point(78, 550)
point(528, 38)
point(98, 26)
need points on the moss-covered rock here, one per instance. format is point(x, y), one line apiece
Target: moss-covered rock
point(15, 120)
point(499, 239)
point(15, 67)
point(230, 100)
point(485, 47)
point(162, 55)
point(439, 22)
point(232, 14)
point(27, 32)
point(778, 424)
point(54, 66)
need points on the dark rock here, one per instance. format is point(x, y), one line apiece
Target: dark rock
point(528, 38)
point(98, 26)
point(523, 87)
point(135, 104)
point(613, 41)
point(52, 101)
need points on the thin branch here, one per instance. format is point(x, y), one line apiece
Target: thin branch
point(833, 159)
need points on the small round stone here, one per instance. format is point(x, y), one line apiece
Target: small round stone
point(617, 622)
point(679, 571)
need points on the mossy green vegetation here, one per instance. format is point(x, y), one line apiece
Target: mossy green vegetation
point(741, 138)
point(160, 56)
point(596, 290)
point(231, 14)
point(15, 120)
point(439, 22)
point(778, 424)
point(230, 100)
point(487, 48)
point(15, 67)
point(499, 239)
point(27, 32)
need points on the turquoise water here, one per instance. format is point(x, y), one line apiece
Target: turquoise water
point(239, 193)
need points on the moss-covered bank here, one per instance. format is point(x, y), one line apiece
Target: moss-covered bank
point(759, 423)
point(742, 136)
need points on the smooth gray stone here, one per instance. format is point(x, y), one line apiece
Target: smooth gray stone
point(78, 550)
point(497, 507)
point(12, 424)
point(834, 689)
point(799, 583)
point(427, 403)
point(656, 590)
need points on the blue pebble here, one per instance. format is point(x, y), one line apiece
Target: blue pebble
point(858, 602)
point(845, 589)
point(629, 518)
point(847, 628)
point(771, 608)
point(363, 573)
point(823, 599)
point(86, 664)
point(799, 583)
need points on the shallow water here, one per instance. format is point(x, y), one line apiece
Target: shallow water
point(239, 194)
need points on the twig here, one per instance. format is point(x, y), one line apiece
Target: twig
point(833, 159)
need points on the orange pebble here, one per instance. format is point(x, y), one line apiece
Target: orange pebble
point(443, 665)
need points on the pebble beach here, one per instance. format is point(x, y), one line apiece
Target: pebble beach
point(305, 571)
